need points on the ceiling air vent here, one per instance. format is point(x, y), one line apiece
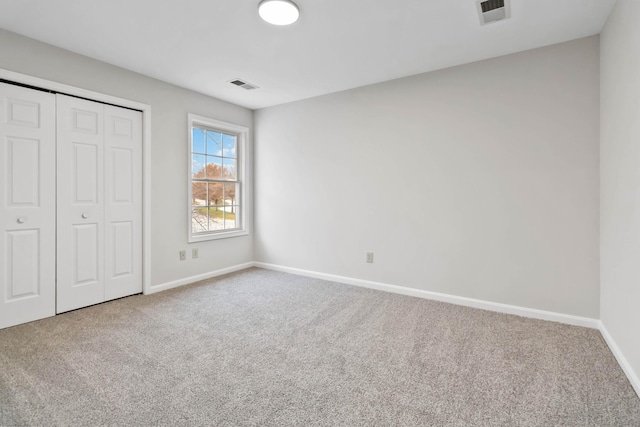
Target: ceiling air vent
point(493, 10)
point(243, 84)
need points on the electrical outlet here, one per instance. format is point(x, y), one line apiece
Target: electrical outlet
point(370, 257)
point(183, 255)
point(194, 253)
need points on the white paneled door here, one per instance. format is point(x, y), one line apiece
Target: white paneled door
point(99, 190)
point(70, 203)
point(28, 200)
point(80, 203)
point(123, 202)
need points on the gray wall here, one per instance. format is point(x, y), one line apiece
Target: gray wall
point(169, 107)
point(479, 181)
point(620, 179)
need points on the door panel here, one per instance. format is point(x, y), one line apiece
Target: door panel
point(122, 174)
point(86, 121)
point(123, 252)
point(27, 205)
point(86, 250)
point(123, 193)
point(85, 174)
point(80, 203)
point(23, 172)
point(23, 257)
point(22, 112)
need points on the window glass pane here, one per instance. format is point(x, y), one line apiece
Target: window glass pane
point(229, 169)
point(214, 143)
point(197, 140)
point(214, 167)
point(230, 213)
point(230, 196)
point(229, 145)
point(216, 218)
point(199, 193)
point(199, 220)
point(231, 210)
point(216, 194)
point(197, 165)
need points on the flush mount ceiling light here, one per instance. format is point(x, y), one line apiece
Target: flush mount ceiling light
point(278, 12)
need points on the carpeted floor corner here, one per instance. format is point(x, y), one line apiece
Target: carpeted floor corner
point(262, 348)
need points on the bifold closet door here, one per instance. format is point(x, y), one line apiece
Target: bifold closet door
point(123, 199)
point(99, 230)
point(28, 200)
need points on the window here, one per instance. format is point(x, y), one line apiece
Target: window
point(216, 193)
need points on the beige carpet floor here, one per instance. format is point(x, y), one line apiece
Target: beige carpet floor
point(271, 349)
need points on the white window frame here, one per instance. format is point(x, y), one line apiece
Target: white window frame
point(242, 134)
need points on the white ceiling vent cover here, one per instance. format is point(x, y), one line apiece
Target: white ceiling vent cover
point(243, 84)
point(493, 10)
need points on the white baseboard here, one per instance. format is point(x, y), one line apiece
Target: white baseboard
point(452, 299)
point(192, 279)
point(622, 361)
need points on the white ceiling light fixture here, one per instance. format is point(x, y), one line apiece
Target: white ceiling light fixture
point(278, 12)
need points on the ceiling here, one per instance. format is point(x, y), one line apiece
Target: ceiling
point(335, 45)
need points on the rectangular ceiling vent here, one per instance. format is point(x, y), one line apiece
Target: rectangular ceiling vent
point(493, 10)
point(243, 84)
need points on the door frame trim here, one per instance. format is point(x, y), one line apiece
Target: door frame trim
point(146, 149)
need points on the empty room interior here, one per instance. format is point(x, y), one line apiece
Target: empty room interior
point(305, 212)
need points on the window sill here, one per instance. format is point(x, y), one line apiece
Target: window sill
point(195, 238)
